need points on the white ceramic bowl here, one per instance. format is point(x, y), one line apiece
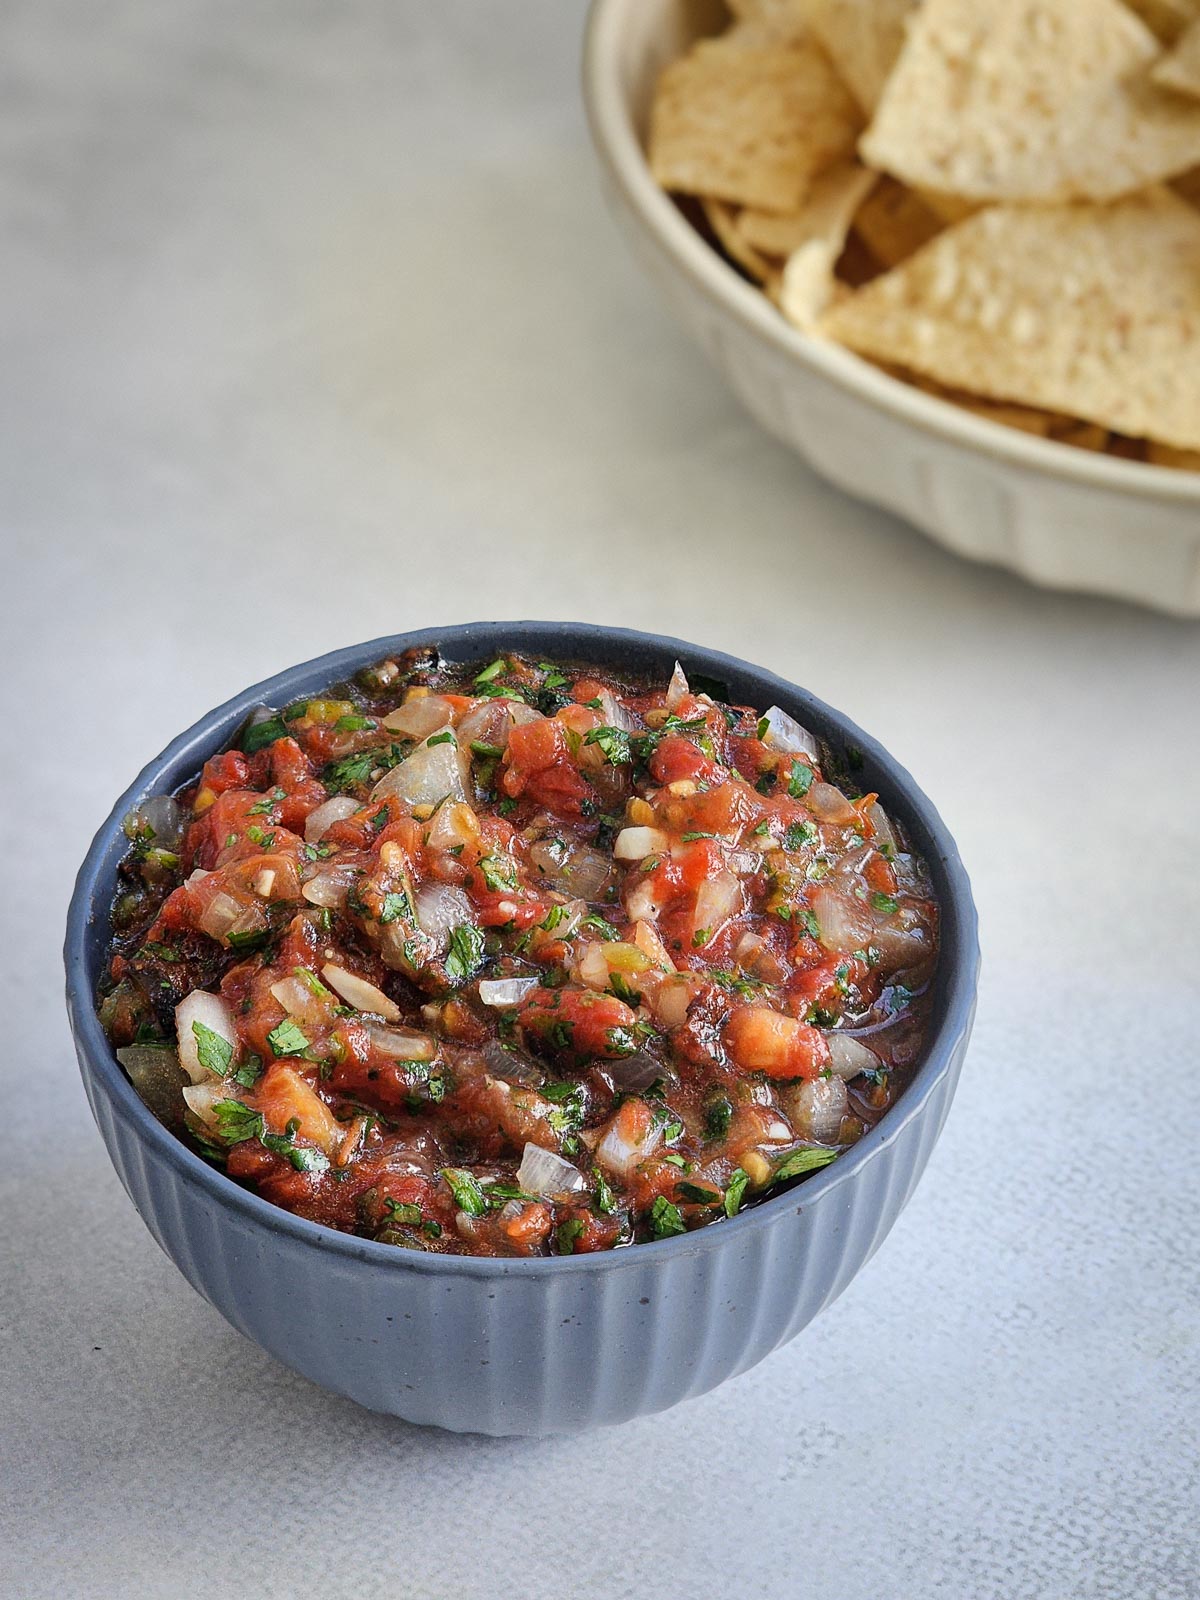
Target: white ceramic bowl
point(1060, 516)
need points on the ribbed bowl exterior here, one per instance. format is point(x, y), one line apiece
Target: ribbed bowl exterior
point(505, 1353)
point(1060, 517)
point(523, 1347)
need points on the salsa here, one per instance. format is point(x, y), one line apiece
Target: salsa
point(521, 958)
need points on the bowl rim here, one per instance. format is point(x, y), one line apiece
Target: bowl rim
point(583, 642)
point(620, 150)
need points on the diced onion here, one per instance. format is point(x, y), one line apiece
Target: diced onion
point(318, 823)
point(646, 937)
point(848, 1058)
point(635, 844)
point(543, 1173)
point(574, 869)
point(220, 914)
point(163, 816)
point(418, 718)
point(671, 1003)
point(677, 688)
point(615, 714)
point(592, 967)
point(830, 804)
point(842, 923)
point(885, 834)
point(491, 721)
point(817, 1108)
point(619, 1155)
point(641, 903)
point(452, 827)
point(360, 994)
point(441, 907)
point(432, 773)
point(785, 733)
point(502, 992)
point(402, 1044)
point(210, 1011)
point(717, 899)
point(298, 1000)
point(155, 1073)
point(746, 862)
point(202, 1097)
point(330, 886)
point(633, 1073)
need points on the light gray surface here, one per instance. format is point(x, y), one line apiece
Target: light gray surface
point(313, 329)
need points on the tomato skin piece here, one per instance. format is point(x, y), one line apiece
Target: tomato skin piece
point(760, 1039)
point(578, 1022)
point(538, 763)
point(231, 770)
point(677, 758)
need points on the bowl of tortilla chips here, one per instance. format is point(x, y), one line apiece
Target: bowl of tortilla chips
point(948, 250)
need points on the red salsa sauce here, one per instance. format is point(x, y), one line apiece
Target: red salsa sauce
point(521, 958)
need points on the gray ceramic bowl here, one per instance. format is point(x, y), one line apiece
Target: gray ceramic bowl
point(525, 1346)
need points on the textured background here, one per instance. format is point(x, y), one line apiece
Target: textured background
point(313, 329)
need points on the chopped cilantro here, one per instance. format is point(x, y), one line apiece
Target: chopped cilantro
point(800, 781)
point(620, 985)
point(734, 1190)
point(351, 772)
point(806, 1160)
point(606, 1201)
point(353, 724)
point(498, 872)
point(286, 1039)
point(396, 906)
point(249, 1072)
point(799, 834)
point(886, 904)
point(718, 1117)
point(465, 954)
point(566, 1235)
point(599, 925)
point(214, 1052)
point(268, 803)
point(665, 1219)
point(497, 668)
point(700, 1194)
point(260, 734)
point(613, 743)
point(235, 1122)
point(468, 1196)
point(688, 837)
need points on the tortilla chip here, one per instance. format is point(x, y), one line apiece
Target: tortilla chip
point(788, 12)
point(1181, 68)
point(1083, 435)
point(722, 219)
point(1166, 18)
point(751, 125)
point(1030, 100)
point(1162, 455)
point(864, 39)
point(894, 222)
point(812, 239)
point(826, 214)
point(1092, 311)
